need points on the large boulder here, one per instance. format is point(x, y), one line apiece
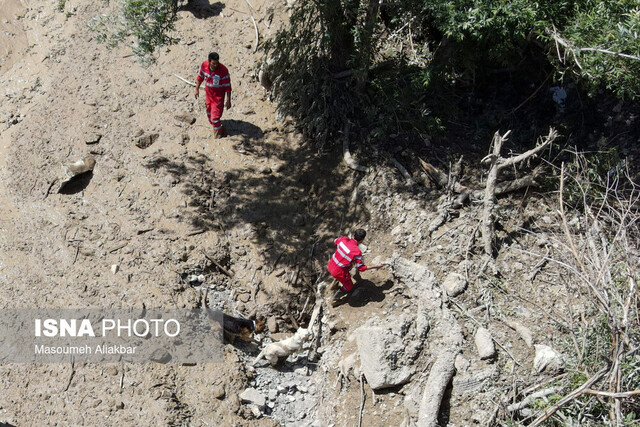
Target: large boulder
point(381, 354)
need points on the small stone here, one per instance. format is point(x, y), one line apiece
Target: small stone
point(454, 284)
point(302, 371)
point(186, 118)
point(256, 411)
point(272, 325)
point(254, 397)
point(218, 392)
point(160, 355)
point(234, 403)
point(484, 344)
point(145, 141)
point(112, 370)
point(525, 333)
point(547, 359)
point(120, 405)
point(265, 170)
point(273, 394)
point(115, 268)
point(93, 139)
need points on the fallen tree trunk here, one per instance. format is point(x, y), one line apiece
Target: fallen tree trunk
point(445, 338)
point(440, 179)
point(498, 163)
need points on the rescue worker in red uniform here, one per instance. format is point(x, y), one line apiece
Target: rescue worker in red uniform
point(217, 83)
point(346, 255)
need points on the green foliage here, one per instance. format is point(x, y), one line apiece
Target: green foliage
point(599, 35)
point(326, 75)
point(149, 23)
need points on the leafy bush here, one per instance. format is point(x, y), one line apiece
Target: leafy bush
point(150, 23)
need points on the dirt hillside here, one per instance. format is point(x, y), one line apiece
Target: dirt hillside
point(261, 203)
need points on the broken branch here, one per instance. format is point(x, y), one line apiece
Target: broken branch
point(185, 80)
point(347, 155)
point(217, 264)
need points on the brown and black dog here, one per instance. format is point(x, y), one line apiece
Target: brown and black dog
point(236, 327)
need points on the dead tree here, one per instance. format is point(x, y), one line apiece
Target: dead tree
point(496, 164)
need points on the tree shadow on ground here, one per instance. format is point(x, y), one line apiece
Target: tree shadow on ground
point(291, 214)
point(202, 9)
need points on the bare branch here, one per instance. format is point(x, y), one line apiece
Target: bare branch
point(568, 398)
point(553, 134)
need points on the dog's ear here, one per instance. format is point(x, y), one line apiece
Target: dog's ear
point(259, 325)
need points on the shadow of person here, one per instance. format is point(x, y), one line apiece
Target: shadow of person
point(365, 291)
point(247, 130)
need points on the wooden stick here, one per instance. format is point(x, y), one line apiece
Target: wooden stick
point(407, 177)
point(217, 264)
point(361, 401)
point(185, 80)
point(621, 395)
point(347, 155)
point(568, 398)
point(255, 27)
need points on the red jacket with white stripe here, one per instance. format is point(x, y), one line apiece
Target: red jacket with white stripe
point(347, 253)
point(216, 83)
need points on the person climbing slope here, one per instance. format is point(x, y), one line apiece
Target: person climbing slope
point(347, 255)
point(217, 83)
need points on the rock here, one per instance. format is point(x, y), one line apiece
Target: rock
point(73, 170)
point(273, 394)
point(256, 411)
point(115, 268)
point(186, 118)
point(120, 405)
point(112, 370)
point(484, 344)
point(303, 371)
point(93, 138)
point(525, 333)
point(145, 141)
point(265, 170)
point(218, 392)
point(272, 325)
point(454, 284)
point(380, 352)
point(253, 397)
point(160, 355)
point(547, 359)
point(264, 79)
point(233, 403)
